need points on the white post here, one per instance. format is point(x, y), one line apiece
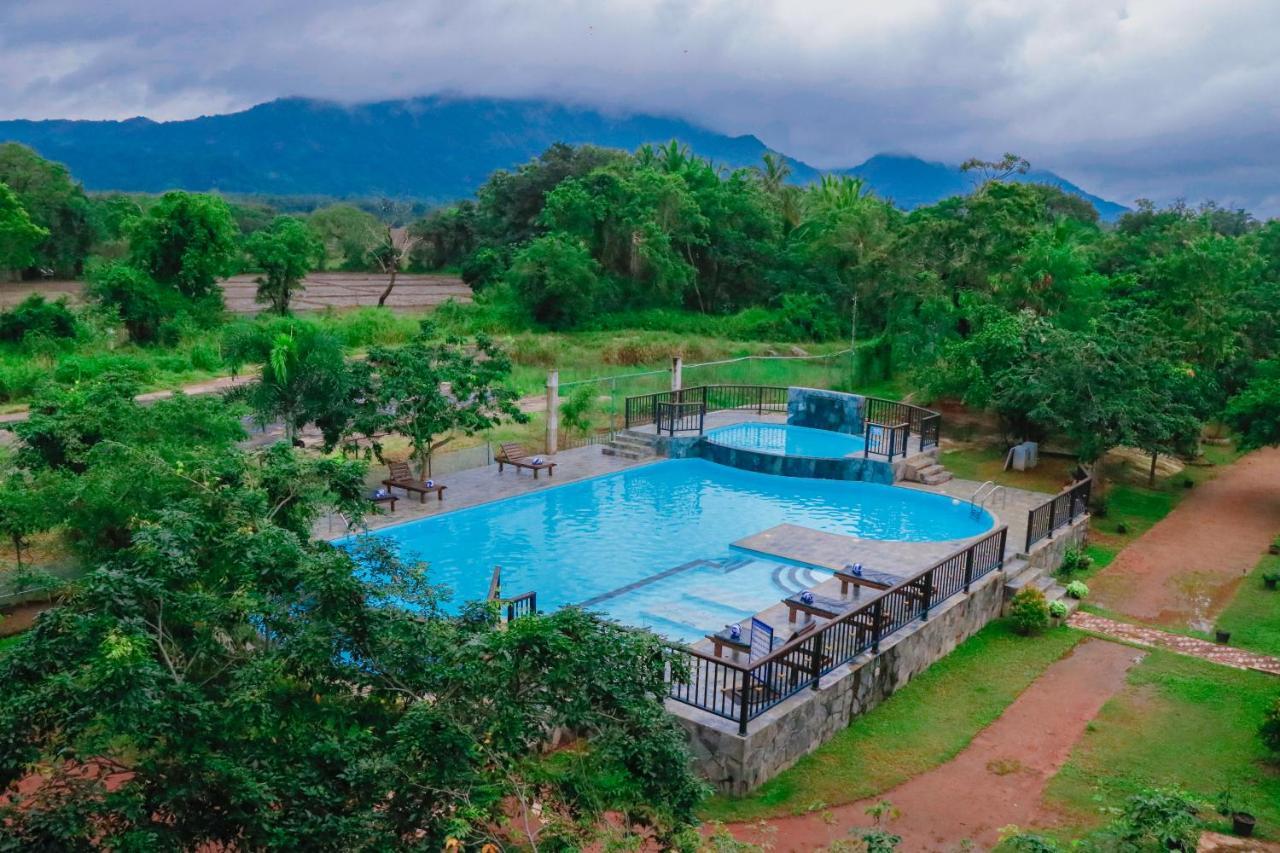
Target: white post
point(677, 368)
point(553, 411)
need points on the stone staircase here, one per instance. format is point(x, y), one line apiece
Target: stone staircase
point(1018, 573)
point(925, 468)
point(631, 445)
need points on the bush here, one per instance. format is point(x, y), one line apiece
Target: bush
point(557, 281)
point(19, 381)
point(1075, 560)
point(1029, 611)
point(1057, 609)
point(142, 304)
point(34, 315)
point(1269, 731)
point(482, 268)
point(1077, 589)
point(1161, 818)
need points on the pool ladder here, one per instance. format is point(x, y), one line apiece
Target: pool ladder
point(986, 495)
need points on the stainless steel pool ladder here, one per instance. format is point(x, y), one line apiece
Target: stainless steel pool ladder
point(986, 495)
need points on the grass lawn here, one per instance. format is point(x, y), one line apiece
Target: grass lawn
point(6, 642)
point(1178, 721)
point(924, 724)
point(1253, 616)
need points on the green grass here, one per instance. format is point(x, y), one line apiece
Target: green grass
point(1253, 616)
point(986, 462)
point(924, 724)
point(8, 642)
point(1177, 721)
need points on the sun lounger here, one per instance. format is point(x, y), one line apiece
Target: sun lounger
point(401, 477)
point(516, 456)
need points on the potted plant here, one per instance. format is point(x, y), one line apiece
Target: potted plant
point(1057, 610)
point(1222, 636)
point(1077, 589)
point(1273, 548)
point(1271, 578)
point(1242, 822)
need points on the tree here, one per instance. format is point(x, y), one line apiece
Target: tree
point(997, 170)
point(24, 510)
point(557, 281)
point(54, 202)
point(347, 233)
point(186, 241)
point(19, 236)
point(304, 377)
point(285, 252)
point(1254, 413)
point(429, 390)
point(142, 304)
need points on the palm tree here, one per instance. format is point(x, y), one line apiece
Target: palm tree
point(775, 172)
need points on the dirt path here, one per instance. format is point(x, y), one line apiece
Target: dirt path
point(997, 780)
point(1185, 569)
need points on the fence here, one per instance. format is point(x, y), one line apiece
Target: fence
point(742, 692)
point(680, 417)
point(885, 439)
point(925, 423)
point(1057, 512)
point(643, 410)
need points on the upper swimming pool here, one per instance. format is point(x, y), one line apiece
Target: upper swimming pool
point(650, 546)
point(787, 440)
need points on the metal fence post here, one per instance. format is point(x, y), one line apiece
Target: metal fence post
point(744, 710)
point(968, 568)
point(876, 617)
point(817, 659)
point(927, 592)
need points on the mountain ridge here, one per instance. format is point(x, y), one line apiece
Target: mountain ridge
point(435, 148)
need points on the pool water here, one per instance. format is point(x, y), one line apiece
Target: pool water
point(788, 440)
point(650, 546)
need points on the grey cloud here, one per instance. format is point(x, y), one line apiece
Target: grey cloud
point(1156, 98)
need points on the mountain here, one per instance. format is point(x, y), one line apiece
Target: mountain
point(433, 149)
point(910, 182)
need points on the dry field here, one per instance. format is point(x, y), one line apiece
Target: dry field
point(321, 290)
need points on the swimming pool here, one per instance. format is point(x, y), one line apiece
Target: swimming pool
point(650, 546)
point(788, 440)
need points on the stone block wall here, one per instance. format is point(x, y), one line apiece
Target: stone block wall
point(829, 410)
point(778, 738)
point(1046, 555)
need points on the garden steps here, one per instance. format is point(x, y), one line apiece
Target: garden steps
point(631, 445)
point(925, 468)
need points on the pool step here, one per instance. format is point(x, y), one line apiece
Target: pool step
point(631, 445)
point(925, 468)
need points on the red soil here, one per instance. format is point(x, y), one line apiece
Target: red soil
point(997, 780)
point(1185, 569)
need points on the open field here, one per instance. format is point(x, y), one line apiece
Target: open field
point(338, 290)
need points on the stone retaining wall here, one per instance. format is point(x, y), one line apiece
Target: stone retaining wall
point(846, 468)
point(1046, 555)
point(778, 738)
point(830, 410)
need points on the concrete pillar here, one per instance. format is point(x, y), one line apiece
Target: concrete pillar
point(553, 411)
point(677, 368)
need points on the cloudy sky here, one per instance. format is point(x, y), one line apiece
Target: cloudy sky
point(1129, 98)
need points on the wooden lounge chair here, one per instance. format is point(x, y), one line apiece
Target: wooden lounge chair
point(402, 478)
point(517, 457)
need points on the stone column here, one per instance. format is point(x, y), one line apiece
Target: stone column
point(677, 368)
point(553, 411)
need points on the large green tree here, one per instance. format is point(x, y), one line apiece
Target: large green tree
point(187, 241)
point(284, 252)
point(19, 236)
point(55, 202)
point(429, 391)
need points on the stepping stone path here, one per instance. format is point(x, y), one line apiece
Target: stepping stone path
point(1154, 638)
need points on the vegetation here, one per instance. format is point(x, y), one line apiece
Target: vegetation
point(1029, 611)
point(1253, 615)
point(924, 724)
point(1207, 717)
point(285, 252)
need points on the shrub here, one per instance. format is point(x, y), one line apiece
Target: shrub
point(142, 304)
point(557, 281)
point(1077, 589)
point(1163, 818)
point(34, 315)
point(19, 381)
point(483, 267)
point(1057, 609)
point(1075, 560)
point(1014, 840)
point(1029, 611)
point(1269, 731)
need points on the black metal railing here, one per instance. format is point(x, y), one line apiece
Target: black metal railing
point(923, 422)
point(674, 417)
point(742, 692)
point(643, 410)
point(885, 439)
point(1057, 512)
